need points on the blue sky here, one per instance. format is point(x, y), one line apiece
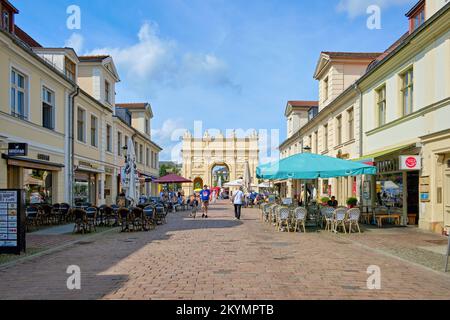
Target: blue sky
point(229, 63)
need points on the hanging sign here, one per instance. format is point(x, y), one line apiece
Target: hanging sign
point(410, 163)
point(17, 149)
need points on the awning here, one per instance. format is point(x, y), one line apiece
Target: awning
point(32, 163)
point(370, 158)
point(309, 166)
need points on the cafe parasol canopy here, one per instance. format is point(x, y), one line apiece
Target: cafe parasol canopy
point(172, 178)
point(308, 166)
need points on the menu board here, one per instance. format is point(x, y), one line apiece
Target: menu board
point(10, 221)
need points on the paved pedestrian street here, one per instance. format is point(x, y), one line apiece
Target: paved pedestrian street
point(221, 258)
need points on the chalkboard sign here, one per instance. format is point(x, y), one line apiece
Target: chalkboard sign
point(12, 221)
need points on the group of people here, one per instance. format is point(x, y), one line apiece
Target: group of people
point(205, 197)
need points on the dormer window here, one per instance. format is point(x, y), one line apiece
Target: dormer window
point(70, 69)
point(6, 20)
point(416, 16)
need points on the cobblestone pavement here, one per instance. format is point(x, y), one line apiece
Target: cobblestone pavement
point(221, 258)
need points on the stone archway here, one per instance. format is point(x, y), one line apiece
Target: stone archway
point(198, 183)
point(220, 173)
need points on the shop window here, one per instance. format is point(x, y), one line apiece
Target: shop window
point(48, 108)
point(19, 93)
point(390, 190)
point(38, 185)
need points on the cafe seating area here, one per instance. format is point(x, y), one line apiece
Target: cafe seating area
point(295, 219)
point(86, 218)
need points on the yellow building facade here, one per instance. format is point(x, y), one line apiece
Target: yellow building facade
point(63, 107)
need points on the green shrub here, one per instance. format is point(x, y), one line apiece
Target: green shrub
point(325, 199)
point(352, 201)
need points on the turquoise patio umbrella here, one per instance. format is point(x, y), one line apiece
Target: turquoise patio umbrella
point(308, 166)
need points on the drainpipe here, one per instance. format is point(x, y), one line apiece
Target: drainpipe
point(73, 95)
point(361, 136)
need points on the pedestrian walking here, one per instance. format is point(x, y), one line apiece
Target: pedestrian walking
point(205, 196)
point(238, 201)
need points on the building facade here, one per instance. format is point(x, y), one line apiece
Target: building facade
point(390, 110)
point(63, 107)
point(215, 160)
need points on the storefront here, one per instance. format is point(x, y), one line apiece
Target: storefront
point(396, 185)
point(38, 178)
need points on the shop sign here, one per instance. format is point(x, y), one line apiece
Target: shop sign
point(17, 149)
point(410, 163)
point(12, 221)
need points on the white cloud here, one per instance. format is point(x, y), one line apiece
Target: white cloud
point(355, 8)
point(169, 135)
point(76, 41)
point(154, 62)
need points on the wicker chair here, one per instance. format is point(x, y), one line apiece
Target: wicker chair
point(109, 217)
point(149, 215)
point(80, 219)
point(300, 218)
point(353, 219)
point(284, 219)
point(328, 216)
point(91, 215)
point(138, 219)
point(340, 217)
point(125, 219)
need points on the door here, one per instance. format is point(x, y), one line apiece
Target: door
point(413, 194)
point(446, 190)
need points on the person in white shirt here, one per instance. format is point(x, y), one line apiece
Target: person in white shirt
point(238, 201)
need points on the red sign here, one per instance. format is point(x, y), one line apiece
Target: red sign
point(411, 162)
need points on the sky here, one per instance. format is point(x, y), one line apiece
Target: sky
point(231, 64)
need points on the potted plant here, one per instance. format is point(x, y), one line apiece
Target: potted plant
point(324, 201)
point(352, 202)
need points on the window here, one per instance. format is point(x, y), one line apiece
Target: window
point(107, 92)
point(141, 154)
point(19, 90)
point(119, 143)
point(6, 20)
point(126, 141)
point(325, 89)
point(136, 149)
point(147, 157)
point(94, 131)
point(417, 18)
point(147, 126)
point(316, 141)
point(339, 130)
point(407, 91)
point(70, 69)
point(108, 138)
point(381, 106)
point(351, 124)
point(48, 108)
point(325, 137)
point(81, 129)
point(156, 160)
point(312, 113)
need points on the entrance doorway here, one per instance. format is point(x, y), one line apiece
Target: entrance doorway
point(413, 196)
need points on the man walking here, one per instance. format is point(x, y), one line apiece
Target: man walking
point(205, 196)
point(238, 201)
